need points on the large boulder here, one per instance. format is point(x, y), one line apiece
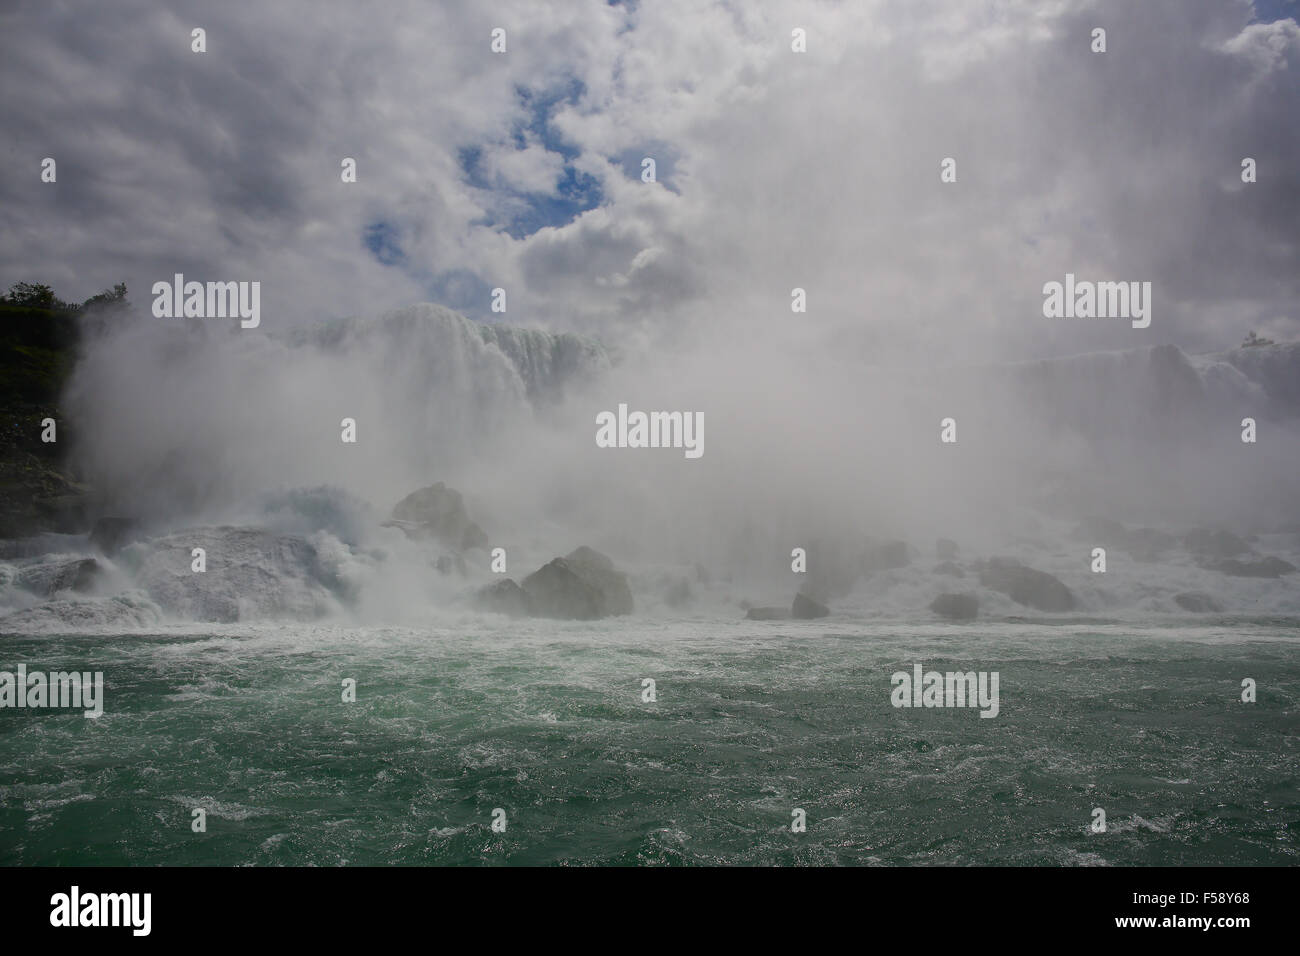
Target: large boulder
point(504, 597)
point(945, 549)
point(1214, 544)
point(956, 607)
point(49, 577)
point(885, 556)
point(1197, 603)
point(767, 614)
point(1025, 585)
point(805, 608)
point(1148, 544)
point(1142, 544)
point(438, 512)
point(584, 585)
point(1269, 567)
point(250, 574)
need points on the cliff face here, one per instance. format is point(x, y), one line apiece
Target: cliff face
point(37, 353)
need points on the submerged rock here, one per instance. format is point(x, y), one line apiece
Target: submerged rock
point(1269, 567)
point(805, 608)
point(1024, 585)
point(583, 586)
point(1214, 544)
point(1197, 603)
point(956, 607)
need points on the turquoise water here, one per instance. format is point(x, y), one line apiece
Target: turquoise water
point(546, 721)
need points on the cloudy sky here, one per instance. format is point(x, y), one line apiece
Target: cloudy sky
point(775, 169)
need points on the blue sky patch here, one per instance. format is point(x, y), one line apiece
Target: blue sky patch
point(383, 239)
point(521, 214)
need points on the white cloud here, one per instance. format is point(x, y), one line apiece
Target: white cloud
point(816, 169)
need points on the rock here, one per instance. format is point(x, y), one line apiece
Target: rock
point(36, 495)
point(251, 574)
point(1142, 544)
point(556, 590)
point(885, 556)
point(599, 571)
point(956, 607)
point(949, 568)
point(945, 549)
point(438, 512)
point(767, 614)
point(47, 579)
point(1269, 567)
point(582, 586)
point(1036, 589)
point(1197, 603)
point(1214, 544)
point(805, 608)
point(1147, 544)
point(111, 535)
point(504, 597)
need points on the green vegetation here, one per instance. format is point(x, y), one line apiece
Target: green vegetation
point(39, 338)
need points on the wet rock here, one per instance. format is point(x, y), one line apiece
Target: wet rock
point(504, 597)
point(956, 607)
point(805, 608)
point(945, 549)
point(949, 568)
point(1214, 544)
point(48, 578)
point(438, 512)
point(582, 586)
point(1197, 603)
point(1269, 567)
point(767, 614)
point(885, 556)
point(1025, 585)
